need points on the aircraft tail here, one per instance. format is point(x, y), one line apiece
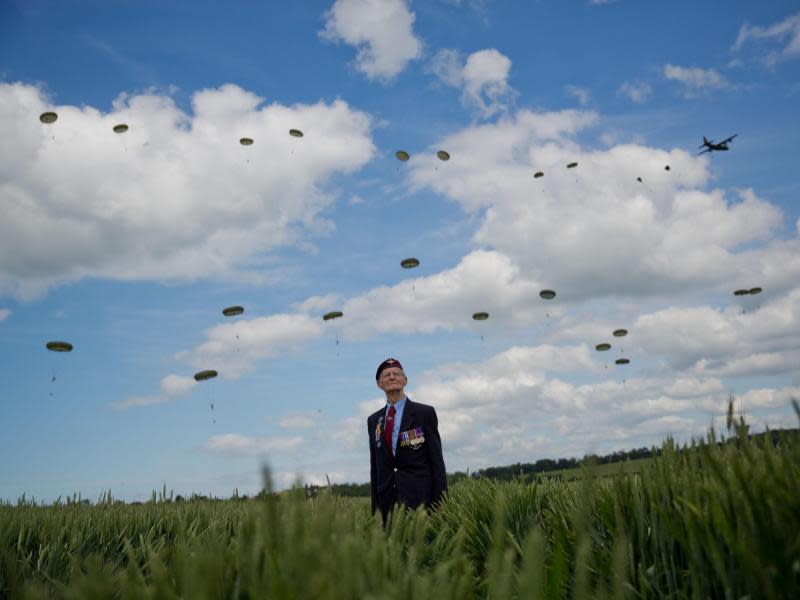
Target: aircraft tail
point(705, 141)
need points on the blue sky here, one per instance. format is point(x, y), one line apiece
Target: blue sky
point(130, 245)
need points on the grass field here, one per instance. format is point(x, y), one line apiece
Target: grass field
point(627, 467)
point(706, 521)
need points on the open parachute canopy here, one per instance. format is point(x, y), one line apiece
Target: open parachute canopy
point(754, 291)
point(48, 117)
point(602, 347)
point(741, 292)
point(203, 375)
point(547, 294)
point(572, 165)
point(443, 155)
point(121, 128)
point(59, 346)
point(666, 168)
point(538, 174)
point(245, 141)
point(295, 133)
point(402, 155)
point(620, 332)
point(639, 179)
point(232, 311)
point(334, 314)
point(622, 361)
point(480, 316)
point(409, 263)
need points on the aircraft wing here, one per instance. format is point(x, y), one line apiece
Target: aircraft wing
point(704, 151)
point(729, 139)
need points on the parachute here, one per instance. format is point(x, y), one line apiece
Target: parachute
point(232, 311)
point(666, 168)
point(602, 347)
point(480, 316)
point(334, 314)
point(402, 155)
point(295, 133)
point(59, 346)
point(245, 141)
point(48, 117)
point(56, 346)
point(639, 179)
point(443, 155)
point(547, 294)
point(754, 291)
point(572, 165)
point(620, 332)
point(203, 375)
point(741, 292)
point(409, 263)
point(622, 361)
point(121, 128)
point(538, 174)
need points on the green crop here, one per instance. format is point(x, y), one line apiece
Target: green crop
point(711, 519)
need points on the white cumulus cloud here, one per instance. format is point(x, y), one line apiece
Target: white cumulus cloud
point(234, 444)
point(515, 406)
point(298, 421)
point(172, 386)
point(381, 30)
point(777, 42)
point(638, 91)
point(482, 78)
point(176, 197)
point(696, 81)
point(593, 233)
point(582, 95)
point(715, 341)
point(233, 348)
point(445, 301)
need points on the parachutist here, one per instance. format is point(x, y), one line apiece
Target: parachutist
point(232, 311)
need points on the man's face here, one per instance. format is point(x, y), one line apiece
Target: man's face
point(392, 380)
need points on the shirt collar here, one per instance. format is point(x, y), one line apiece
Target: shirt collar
point(398, 406)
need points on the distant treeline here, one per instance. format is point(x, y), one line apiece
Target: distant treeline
point(526, 471)
point(509, 472)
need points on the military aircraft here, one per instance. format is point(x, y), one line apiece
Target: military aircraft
point(710, 146)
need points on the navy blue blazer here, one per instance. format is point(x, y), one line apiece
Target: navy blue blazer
point(415, 475)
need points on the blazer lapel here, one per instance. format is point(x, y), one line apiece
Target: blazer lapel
point(408, 418)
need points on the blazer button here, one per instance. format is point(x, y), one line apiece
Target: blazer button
point(395, 469)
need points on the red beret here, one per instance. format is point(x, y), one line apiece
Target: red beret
point(389, 362)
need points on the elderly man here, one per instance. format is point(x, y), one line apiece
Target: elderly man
point(405, 450)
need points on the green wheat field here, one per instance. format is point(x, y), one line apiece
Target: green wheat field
point(718, 518)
